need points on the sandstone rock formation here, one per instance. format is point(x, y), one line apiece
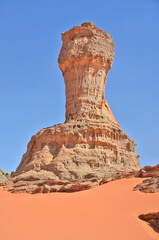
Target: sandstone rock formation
point(4, 176)
point(90, 146)
point(151, 184)
point(149, 171)
point(152, 219)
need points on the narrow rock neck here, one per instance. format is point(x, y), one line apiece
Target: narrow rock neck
point(85, 92)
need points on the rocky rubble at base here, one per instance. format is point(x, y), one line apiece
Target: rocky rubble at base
point(152, 219)
point(151, 184)
point(45, 182)
point(4, 177)
point(150, 171)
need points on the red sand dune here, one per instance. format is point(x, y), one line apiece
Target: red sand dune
point(107, 212)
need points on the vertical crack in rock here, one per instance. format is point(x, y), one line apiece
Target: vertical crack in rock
point(90, 147)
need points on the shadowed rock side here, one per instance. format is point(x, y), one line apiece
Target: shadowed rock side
point(90, 146)
point(151, 184)
point(152, 219)
point(4, 176)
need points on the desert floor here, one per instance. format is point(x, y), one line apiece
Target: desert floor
point(107, 212)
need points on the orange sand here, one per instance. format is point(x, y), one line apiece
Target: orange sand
point(107, 212)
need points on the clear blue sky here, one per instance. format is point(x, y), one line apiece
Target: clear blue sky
point(32, 91)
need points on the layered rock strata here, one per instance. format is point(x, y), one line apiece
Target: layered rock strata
point(90, 146)
point(149, 171)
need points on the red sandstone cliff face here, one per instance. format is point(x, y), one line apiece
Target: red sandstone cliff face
point(90, 146)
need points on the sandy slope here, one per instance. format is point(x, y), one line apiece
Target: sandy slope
point(107, 212)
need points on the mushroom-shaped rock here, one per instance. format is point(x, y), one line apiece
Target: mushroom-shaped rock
point(90, 146)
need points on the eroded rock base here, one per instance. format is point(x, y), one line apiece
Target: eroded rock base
point(74, 156)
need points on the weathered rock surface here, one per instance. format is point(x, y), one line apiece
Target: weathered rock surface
point(4, 176)
point(152, 219)
point(150, 171)
point(151, 184)
point(90, 147)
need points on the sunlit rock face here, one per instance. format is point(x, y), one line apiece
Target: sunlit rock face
point(4, 177)
point(90, 146)
point(85, 59)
